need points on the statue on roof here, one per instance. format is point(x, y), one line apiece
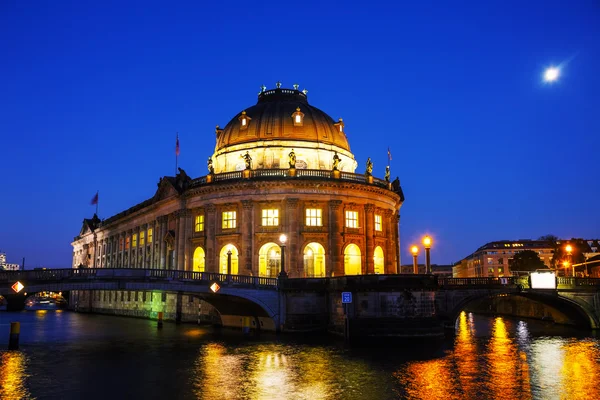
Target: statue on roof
point(387, 173)
point(369, 170)
point(292, 159)
point(247, 160)
point(211, 169)
point(336, 161)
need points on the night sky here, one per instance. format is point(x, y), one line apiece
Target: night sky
point(92, 95)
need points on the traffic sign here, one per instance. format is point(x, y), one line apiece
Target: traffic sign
point(17, 287)
point(346, 297)
point(215, 287)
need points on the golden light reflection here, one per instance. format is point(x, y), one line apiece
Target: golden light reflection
point(465, 356)
point(219, 373)
point(580, 371)
point(508, 368)
point(12, 375)
point(430, 379)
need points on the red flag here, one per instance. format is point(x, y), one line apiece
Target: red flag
point(389, 154)
point(95, 199)
point(177, 146)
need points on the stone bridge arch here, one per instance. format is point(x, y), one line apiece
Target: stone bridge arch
point(575, 310)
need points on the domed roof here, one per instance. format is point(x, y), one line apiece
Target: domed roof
point(273, 118)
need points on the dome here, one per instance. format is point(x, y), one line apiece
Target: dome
point(280, 124)
point(272, 118)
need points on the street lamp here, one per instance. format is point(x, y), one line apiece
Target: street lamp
point(229, 262)
point(427, 244)
point(566, 265)
point(569, 250)
point(415, 252)
point(282, 240)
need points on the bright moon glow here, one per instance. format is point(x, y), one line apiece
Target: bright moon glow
point(551, 74)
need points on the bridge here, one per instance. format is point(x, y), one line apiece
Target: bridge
point(383, 305)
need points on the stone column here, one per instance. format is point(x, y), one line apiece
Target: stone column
point(210, 222)
point(121, 250)
point(335, 266)
point(137, 250)
point(163, 221)
point(397, 241)
point(180, 241)
point(390, 253)
point(247, 250)
point(369, 236)
point(292, 232)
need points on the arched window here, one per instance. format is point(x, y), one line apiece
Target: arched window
point(198, 259)
point(379, 267)
point(223, 259)
point(314, 260)
point(352, 260)
point(269, 260)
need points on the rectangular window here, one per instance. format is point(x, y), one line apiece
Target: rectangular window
point(351, 219)
point(270, 217)
point(229, 219)
point(378, 225)
point(150, 235)
point(134, 240)
point(142, 238)
point(314, 217)
point(127, 243)
point(199, 225)
point(490, 260)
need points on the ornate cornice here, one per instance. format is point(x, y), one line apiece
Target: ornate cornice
point(335, 204)
point(247, 204)
point(369, 208)
point(291, 203)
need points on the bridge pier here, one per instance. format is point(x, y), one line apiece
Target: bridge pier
point(178, 305)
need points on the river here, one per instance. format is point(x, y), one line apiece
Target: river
point(65, 355)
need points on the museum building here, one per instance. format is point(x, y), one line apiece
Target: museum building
point(281, 169)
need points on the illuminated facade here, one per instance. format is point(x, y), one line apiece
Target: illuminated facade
point(494, 259)
point(6, 266)
point(281, 166)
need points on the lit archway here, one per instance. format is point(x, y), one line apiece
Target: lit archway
point(223, 259)
point(379, 267)
point(199, 259)
point(269, 260)
point(352, 260)
point(314, 260)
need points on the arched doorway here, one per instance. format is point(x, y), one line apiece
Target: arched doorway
point(352, 260)
point(314, 260)
point(269, 260)
point(379, 267)
point(223, 259)
point(199, 259)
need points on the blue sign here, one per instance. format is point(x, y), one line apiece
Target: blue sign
point(346, 297)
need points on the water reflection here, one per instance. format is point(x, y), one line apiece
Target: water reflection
point(12, 376)
point(489, 358)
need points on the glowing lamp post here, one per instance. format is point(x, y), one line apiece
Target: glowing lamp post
point(569, 250)
point(551, 74)
point(282, 240)
point(427, 244)
point(415, 253)
point(229, 262)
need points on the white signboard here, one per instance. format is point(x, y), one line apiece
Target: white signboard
point(543, 280)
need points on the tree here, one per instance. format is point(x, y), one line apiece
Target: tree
point(549, 238)
point(526, 260)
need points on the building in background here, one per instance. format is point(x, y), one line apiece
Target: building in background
point(6, 266)
point(442, 271)
point(494, 259)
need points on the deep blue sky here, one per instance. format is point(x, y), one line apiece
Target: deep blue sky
point(92, 94)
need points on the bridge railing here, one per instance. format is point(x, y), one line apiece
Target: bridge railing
point(134, 274)
point(477, 282)
point(568, 282)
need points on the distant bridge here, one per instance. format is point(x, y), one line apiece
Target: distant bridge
point(405, 304)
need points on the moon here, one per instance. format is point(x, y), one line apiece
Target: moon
point(551, 74)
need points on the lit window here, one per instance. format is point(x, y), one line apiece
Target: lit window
point(351, 219)
point(150, 235)
point(270, 217)
point(244, 120)
point(313, 217)
point(134, 240)
point(199, 224)
point(229, 219)
point(142, 238)
point(127, 243)
point(378, 222)
point(298, 117)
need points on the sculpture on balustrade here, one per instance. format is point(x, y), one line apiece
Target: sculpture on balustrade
point(247, 160)
point(336, 161)
point(387, 173)
point(369, 170)
point(292, 159)
point(211, 169)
